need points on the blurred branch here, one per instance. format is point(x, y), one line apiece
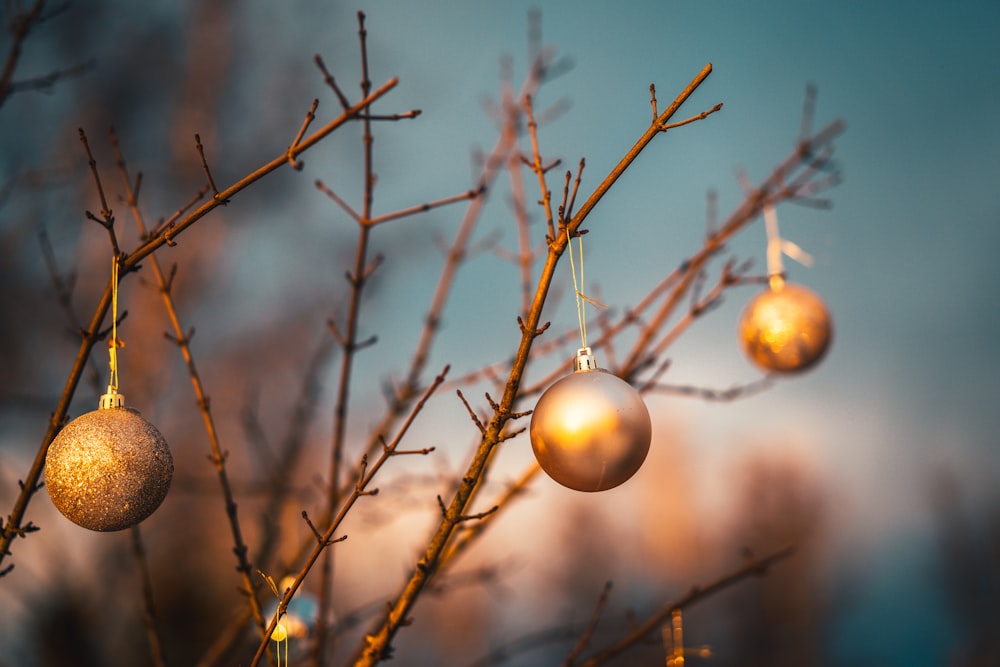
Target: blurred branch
point(20, 25)
point(639, 631)
point(64, 293)
point(709, 394)
point(280, 483)
point(651, 625)
point(588, 632)
point(148, 607)
point(46, 82)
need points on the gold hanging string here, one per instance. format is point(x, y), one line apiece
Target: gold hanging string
point(280, 633)
point(113, 345)
point(581, 299)
point(673, 641)
point(776, 247)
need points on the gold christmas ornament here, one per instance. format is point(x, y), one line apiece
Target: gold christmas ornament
point(108, 469)
point(786, 328)
point(590, 431)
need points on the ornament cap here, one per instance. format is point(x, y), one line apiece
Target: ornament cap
point(112, 399)
point(585, 360)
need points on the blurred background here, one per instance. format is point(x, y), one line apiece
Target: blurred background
point(880, 464)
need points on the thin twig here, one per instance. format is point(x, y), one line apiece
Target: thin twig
point(46, 82)
point(702, 116)
point(290, 156)
point(525, 255)
point(538, 168)
point(472, 413)
point(710, 394)
point(148, 607)
point(421, 208)
point(330, 82)
point(588, 632)
point(107, 219)
point(310, 117)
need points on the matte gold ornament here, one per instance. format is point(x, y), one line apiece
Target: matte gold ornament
point(108, 469)
point(590, 431)
point(785, 329)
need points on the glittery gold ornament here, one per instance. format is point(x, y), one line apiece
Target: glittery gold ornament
point(590, 431)
point(108, 469)
point(786, 328)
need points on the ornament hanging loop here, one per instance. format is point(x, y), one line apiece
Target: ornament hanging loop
point(776, 247)
point(112, 399)
point(581, 299)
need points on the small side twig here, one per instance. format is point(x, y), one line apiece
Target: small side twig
point(472, 413)
point(310, 117)
point(107, 219)
point(588, 632)
point(317, 534)
point(703, 115)
point(289, 155)
point(538, 168)
point(328, 78)
point(421, 208)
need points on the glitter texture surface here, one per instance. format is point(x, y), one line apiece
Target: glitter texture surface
point(108, 469)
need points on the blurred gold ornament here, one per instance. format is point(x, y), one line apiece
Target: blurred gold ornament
point(786, 328)
point(108, 469)
point(590, 431)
